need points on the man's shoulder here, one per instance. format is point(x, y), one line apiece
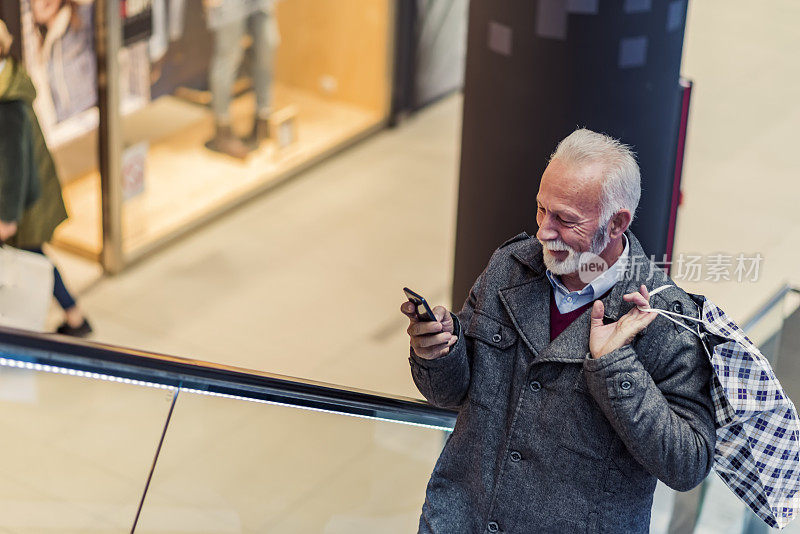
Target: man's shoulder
point(523, 246)
point(522, 236)
point(522, 249)
point(643, 270)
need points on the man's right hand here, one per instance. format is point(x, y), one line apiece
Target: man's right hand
point(430, 339)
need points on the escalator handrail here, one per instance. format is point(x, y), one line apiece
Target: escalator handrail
point(767, 307)
point(98, 360)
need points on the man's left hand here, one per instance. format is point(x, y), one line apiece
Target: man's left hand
point(604, 338)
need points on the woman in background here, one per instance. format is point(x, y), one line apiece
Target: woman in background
point(31, 205)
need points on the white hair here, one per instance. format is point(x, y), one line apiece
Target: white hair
point(622, 183)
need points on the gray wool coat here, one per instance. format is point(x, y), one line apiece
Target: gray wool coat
point(548, 440)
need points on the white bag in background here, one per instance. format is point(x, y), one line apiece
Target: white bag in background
point(26, 289)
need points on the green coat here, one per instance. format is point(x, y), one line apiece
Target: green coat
point(30, 192)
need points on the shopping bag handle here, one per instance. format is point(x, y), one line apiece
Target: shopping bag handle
point(667, 314)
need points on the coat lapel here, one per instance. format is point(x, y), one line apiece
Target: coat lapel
point(572, 344)
point(528, 305)
point(528, 302)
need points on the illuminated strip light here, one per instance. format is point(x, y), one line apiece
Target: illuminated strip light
point(8, 362)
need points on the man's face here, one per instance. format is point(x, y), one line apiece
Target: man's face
point(568, 212)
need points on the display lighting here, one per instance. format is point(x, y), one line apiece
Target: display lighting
point(10, 362)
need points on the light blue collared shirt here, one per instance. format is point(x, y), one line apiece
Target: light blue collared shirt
point(567, 300)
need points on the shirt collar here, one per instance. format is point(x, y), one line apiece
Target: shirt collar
point(602, 283)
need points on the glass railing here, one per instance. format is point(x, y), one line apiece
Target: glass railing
point(102, 439)
point(775, 329)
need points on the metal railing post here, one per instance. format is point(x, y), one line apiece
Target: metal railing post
point(108, 40)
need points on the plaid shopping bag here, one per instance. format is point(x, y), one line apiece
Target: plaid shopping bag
point(757, 453)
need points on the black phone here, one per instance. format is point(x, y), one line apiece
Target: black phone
point(424, 312)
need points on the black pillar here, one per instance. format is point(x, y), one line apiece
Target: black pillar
point(537, 70)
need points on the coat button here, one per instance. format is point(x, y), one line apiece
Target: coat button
point(492, 526)
point(515, 456)
point(497, 338)
point(535, 386)
point(626, 385)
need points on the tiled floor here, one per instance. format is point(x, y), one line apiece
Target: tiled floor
point(306, 281)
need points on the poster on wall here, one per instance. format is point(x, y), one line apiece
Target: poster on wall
point(59, 54)
point(134, 165)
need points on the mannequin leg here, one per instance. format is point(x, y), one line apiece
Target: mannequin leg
point(261, 26)
point(224, 65)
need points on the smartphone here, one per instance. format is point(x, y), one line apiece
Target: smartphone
point(424, 312)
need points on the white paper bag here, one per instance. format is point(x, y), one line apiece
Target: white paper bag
point(26, 289)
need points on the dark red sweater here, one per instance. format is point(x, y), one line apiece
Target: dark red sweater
point(560, 321)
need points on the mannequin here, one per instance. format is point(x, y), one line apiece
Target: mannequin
point(229, 19)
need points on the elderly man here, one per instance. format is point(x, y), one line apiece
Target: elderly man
point(572, 401)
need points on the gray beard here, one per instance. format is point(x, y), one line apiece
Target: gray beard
point(572, 262)
point(568, 265)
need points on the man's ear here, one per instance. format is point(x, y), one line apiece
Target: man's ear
point(619, 223)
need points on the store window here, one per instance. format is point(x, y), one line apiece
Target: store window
point(214, 101)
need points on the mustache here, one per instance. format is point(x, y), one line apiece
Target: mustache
point(556, 245)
